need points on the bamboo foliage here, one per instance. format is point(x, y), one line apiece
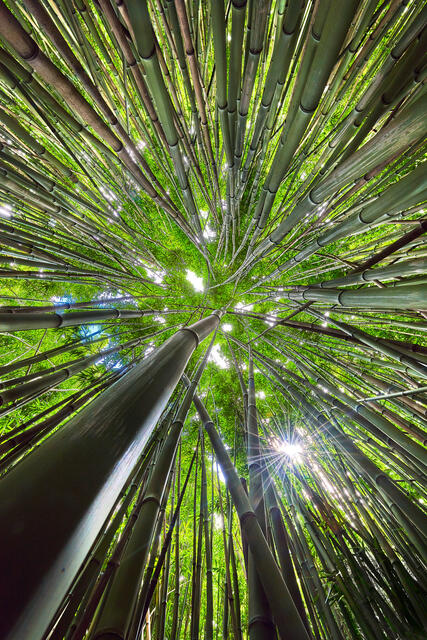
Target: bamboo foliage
point(253, 171)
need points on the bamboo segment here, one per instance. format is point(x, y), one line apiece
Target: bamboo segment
point(92, 469)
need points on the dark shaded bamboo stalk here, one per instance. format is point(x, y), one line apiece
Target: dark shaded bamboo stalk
point(285, 614)
point(112, 428)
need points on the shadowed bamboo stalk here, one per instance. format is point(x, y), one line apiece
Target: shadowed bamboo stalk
point(121, 426)
point(118, 605)
point(260, 624)
point(24, 322)
point(161, 559)
point(282, 546)
point(285, 614)
point(84, 582)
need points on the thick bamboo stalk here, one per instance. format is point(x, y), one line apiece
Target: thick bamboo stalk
point(75, 478)
point(28, 321)
point(282, 546)
point(117, 607)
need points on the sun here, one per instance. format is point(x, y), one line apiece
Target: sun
point(292, 449)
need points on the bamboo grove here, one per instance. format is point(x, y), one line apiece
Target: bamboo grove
point(213, 285)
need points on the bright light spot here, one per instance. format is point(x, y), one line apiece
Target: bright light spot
point(195, 280)
point(217, 357)
point(204, 214)
point(218, 469)
point(218, 521)
point(273, 320)
point(61, 299)
point(227, 327)
point(260, 394)
point(241, 305)
point(156, 276)
point(293, 450)
point(209, 233)
point(89, 330)
point(6, 210)
point(149, 349)
point(160, 319)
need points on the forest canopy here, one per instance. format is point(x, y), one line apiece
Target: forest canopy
point(213, 317)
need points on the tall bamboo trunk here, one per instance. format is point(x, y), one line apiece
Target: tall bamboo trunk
point(261, 625)
point(57, 499)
